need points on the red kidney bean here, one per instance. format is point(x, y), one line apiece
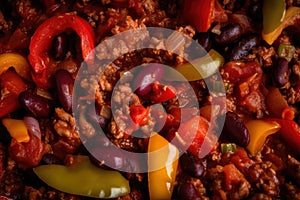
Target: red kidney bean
point(244, 47)
point(254, 10)
point(50, 159)
point(108, 157)
point(204, 39)
point(296, 39)
point(93, 114)
point(60, 47)
point(64, 86)
point(187, 191)
point(5, 137)
point(281, 72)
point(229, 34)
point(36, 105)
point(149, 74)
point(235, 130)
point(191, 165)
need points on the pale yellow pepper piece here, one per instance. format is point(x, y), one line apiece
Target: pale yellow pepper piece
point(162, 164)
point(290, 17)
point(197, 69)
point(259, 130)
point(16, 61)
point(17, 129)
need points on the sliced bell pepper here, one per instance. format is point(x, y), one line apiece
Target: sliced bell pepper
point(139, 114)
point(198, 132)
point(199, 68)
point(259, 130)
point(163, 163)
point(286, 51)
point(277, 105)
point(290, 132)
point(290, 18)
point(273, 14)
point(202, 13)
point(161, 93)
point(11, 86)
point(83, 178)
point(16, 61)
point(41, 43)
point(17, 129)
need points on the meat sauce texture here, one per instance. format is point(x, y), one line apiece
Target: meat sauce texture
point(252, 68)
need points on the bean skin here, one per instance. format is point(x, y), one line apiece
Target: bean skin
point(64, 86)
point(60, 47)
point(254, 10)
point(204, 39)
point(149, 74)
point(229, 34)
point(37, 105)
point(296, 39)
point(235, 130)
point(192, 165)
point(281, 72)
point(50, 159)
point(187, 191)
point(244, 47)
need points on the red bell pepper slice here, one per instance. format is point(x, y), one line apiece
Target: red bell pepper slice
point(202, 13)
point(290, 132)
point(139, 114)
point(41, 43)
point(198, 129)
point(161, 93)
point(11, 85)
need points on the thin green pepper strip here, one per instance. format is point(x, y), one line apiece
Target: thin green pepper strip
point(291, 18)
point(84, 179)
point(273, 14)
point(197, 69)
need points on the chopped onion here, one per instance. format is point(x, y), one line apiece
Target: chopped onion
point(33, 126)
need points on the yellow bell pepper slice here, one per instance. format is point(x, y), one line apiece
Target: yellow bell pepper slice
point(16, 61)
point(17, 129)
point(83, 178)
point(197, 69)
point(162, 163)
point(291, 17)
point(259, 130)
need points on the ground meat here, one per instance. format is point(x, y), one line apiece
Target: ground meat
point(265, 55)
point(293, 170)
point(64, 124)
point(69, 140)
point(12, 184)
point(263, 177)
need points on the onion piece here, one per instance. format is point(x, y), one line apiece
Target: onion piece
point(33, 126)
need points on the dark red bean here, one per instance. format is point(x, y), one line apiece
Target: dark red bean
point(60, 47)
point(254, 10)
point(244, 47)
point(229, 34)
point(108, 157)
point(296, 39)
point(149, 74)
point(204, 39)
point(187, 191)
point(36, 105)
point(281, 72)
point(50, 159)
point(192, 165)
point(96, 118)
point(235, 130)
point(5, 137)
point(64, 86)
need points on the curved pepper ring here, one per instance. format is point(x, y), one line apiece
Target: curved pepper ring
point(41, 43)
